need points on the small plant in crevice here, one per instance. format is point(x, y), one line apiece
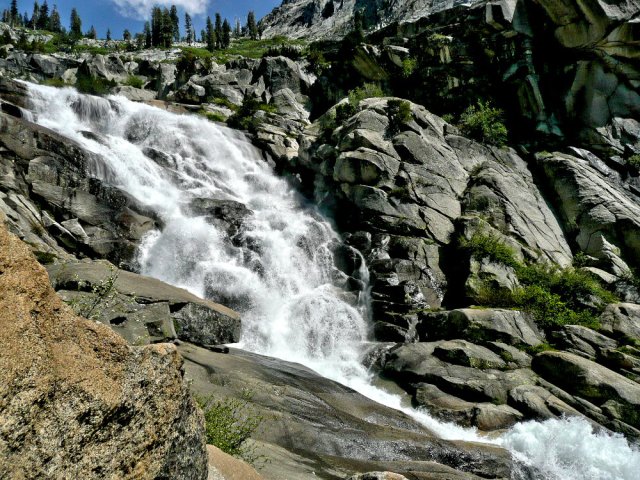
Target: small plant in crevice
point(368, 90)
point(399, 113)
point(245, 117)
point(103, 296)
point(229, 424)
point(484, 123)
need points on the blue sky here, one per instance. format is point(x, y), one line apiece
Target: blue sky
point(120, 14)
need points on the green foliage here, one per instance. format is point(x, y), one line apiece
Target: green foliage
point(245, 117)
point(229, 424)
point(554, 296)
point(54, 82)
point(543, 347)
point(344, 112)
point(223, 102)
point(481, 246)
point(409, 66)
point(215, 117)
point(245, 47)
point(368, 90)
point(634, 162)
point(294, 52)
point(484, 123)
point(399, 112)
point(580, 259)
point(94, 85)
point(134, 81)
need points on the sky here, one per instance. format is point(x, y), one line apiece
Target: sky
point(131, 14)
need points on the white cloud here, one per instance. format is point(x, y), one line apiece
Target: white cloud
point(142, 8)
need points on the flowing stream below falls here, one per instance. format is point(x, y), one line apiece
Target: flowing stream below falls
point(291, 308)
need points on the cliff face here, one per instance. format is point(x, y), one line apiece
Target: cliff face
point(75, 400)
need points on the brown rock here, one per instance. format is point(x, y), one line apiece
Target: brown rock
point(223, 466)
point(75, 400)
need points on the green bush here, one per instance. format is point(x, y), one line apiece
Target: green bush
point(94, 85)
point(368, 90)
point(245, 117)
point(344, 112)
point(484, 123)
point(634, 162)
point(399, 112)
point(481, 246)
point(134, 81)
point(554, 296)
point(409, 66)
point(229, 424)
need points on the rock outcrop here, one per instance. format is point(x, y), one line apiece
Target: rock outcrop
point(76, 401)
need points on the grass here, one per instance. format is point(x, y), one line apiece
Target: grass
point(134, 81)
point(229, 424)
point(248, 48)
point(634, 162)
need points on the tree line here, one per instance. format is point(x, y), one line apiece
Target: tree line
point(162, 31)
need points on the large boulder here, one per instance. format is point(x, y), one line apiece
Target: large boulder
point(144, 309)
point(616, 395)
point(77, 400)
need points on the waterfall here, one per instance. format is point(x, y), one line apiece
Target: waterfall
point(277, 269)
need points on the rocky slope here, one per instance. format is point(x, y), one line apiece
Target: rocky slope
point(78, 401)
point(411, 195)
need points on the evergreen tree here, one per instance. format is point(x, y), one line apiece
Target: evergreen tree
point(148, 36)
point(167, 29)
point(25, 19)
point(156, 26)
point(108, 34)
point(252, 26)
point(92, 34)
point(126, 35)
point(76, 25)
point(238, 30)
point(55, 24)
point(210, 35)
point(43, 16)
point(218, 31)
point(140, 40)
point(203, 36)
point(14, 15)
point(6, 16)
point(175, 22)
point(226, 34)
point(188, 26)
point(34, 16)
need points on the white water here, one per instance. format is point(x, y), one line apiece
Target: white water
point(282, 286)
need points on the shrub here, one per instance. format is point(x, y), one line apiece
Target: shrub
point(409, 66)
point(399, 112)
point(245, 117)
point(134, 81)
point(54, 82)
point(484, 123)
point(368, 90)
point(634, 162)
point(294, 52)
point(480, 246)
point(103, 296)
point(229, 424)
point(94, 85)
point(344, 112)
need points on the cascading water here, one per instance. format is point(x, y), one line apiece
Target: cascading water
point(281, 275)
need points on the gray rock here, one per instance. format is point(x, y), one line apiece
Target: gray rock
point(593, 382)
point(621, 320)
point(509, 326)
point(536, 402)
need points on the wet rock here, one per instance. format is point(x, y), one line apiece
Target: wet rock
point(593, 382)
point(538, 403)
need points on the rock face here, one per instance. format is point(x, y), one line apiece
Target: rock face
point(406, 190)
point(78, 402)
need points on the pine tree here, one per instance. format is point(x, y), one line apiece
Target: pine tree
point(34, 16)
point(175, 22)
point(188, 26)
point(14, 15)
point(167, 29)
point(108, 34)
point(252, 26)
point(156, 26)
point(92, 34)
point(43, 16)
point(126, 35)
point(76, 25)
point(237, 32)
point(210, 35)
point(55, 24)
point(218, 31)
point(148, 35)
point(226, 34)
